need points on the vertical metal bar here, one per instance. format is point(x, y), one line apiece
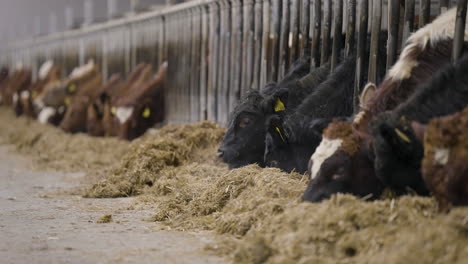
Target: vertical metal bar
point(326, 28)
point(222, 41)
point(393, 26)
point(257, 44)
point(350, 28)
point(304, 27)
point(293, 32)
point(248, 46)
point(204, 57)
point(226, 61)
point(424, 12)
point(373, 57)
point(213, 65)
point(459, 30)
point(275, 28)
point(361, 52)
point(408, 26)
point(195, 66)
point(236, 53)
point(283, 39)
point(265, 44)
point(337, 35)
point(316, 26)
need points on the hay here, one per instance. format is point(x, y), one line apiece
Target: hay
point(51, 148)
point(104, 219)
point(149, 157)
point(256, 212)
point(347, 230)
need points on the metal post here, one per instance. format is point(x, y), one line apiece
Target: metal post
point(459, 30)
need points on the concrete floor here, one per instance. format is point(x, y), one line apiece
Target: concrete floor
point(41, 223)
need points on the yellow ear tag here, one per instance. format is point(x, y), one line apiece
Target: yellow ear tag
point(402, 135)
point(146, 112)
point(72, 88)
point(279, 106)
point(279, 132)
point(67, 101)
point(33, 94)
point(113, 110)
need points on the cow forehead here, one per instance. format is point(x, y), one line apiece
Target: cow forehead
point(325, 150)
point(45, 114)
point(123, 113)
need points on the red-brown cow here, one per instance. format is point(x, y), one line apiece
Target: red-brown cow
point(141, 107)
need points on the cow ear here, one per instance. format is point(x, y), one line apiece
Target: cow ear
point(276, 130)
point(366, 94)
point(419, 130)
point(317, 126)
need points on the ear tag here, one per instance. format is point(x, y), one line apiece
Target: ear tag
point(67, 101)
point(33, 94)
point(72, 88)
point(402, 135)
point(146, 112)
point(279, 132)
point(113, 110)
point(279, 106)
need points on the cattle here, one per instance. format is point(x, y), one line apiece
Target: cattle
point(244, 141)
point(142, 107)
point(48, 73)
point(100, 105)
point(17, 82)
point(88, 85)
point(397, 151)
point(291, 142)
point(334, 161)
point(57, 96)
point(4, 72)
point(445, 166)
point(140, 75)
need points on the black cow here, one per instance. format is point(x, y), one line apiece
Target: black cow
point(398, 151)
point(289, 144)
point(244, 142)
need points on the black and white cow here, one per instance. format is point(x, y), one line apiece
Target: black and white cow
point(398, 151)
point(345, 155)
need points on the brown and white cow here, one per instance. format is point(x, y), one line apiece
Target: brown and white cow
point(4, 72)
point(344, 160)
point(17, 82)
point(57, 96)
point(88, 83)
point(445, 166)
point(142, 106)
point(48, 73)
point(100, 106)
point(140, 75)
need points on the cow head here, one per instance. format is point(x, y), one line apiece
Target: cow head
point(74, 120)
point(342, 163)
point(244, 141)
point(398, 154)
point(288, 146)
point(142, 108)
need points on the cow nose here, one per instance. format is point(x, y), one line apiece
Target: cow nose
point(220, 153)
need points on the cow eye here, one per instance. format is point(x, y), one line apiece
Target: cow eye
point(244, 122)
point(336, 176)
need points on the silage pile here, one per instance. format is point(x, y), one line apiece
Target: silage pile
point(258, 212)
point(150, 158)
point(52, 148)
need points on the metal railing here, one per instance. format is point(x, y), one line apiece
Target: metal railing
point(219, 49)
